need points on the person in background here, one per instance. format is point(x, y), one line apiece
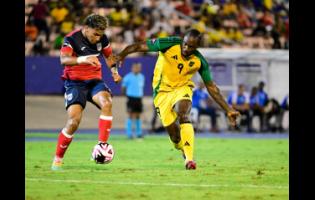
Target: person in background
point(203, 103)
point(284, 108)
point(240, 102)
point(262, 101)
point(132, 87)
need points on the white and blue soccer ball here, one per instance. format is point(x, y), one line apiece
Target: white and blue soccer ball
point(103, 153)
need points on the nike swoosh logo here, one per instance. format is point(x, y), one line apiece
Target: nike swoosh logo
point(83, 48)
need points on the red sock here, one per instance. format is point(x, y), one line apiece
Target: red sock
point(64, 141)
point(104, 125)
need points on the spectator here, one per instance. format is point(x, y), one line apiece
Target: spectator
point(205, 106)
point(251, 18)
point(273, 111)
point(230, 9)
point(40, 46)
point(240, 102)
point(263, 100)
point(185, 8)
point(262, 95)
point(31, 31)
point(67, 25)
point(284, 108)
point(132, 87)
point(119, 16)
point(243, 19)
point(256, 109)
point(39, 13)
point(161, 24)
point(59, 13)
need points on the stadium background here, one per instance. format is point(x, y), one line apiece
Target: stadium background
point(244, 42)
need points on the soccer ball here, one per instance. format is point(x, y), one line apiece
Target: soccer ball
point(103, 153)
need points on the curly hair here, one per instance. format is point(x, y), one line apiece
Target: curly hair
point(96, 21)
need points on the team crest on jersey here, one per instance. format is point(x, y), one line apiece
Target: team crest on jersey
point(99, 46)
point(191, 64)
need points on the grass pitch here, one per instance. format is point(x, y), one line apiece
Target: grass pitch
point(227, 169)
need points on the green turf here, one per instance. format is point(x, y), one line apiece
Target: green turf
point(227, 169)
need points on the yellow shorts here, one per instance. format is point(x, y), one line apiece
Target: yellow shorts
point(164, 103)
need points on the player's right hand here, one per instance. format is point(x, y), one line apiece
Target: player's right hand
point(233, 116)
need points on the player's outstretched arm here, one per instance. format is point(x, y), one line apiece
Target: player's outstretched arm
point(217, 96)
point(69, 60)
point(136, 47)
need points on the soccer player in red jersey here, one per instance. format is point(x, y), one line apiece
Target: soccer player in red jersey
point(83, 82)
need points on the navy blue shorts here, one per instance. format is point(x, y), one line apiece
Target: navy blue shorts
point(78, 92)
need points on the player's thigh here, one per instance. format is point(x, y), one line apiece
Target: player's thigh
point(102, 99)
point(164, 108)
point(183, 100)
point(100, 95)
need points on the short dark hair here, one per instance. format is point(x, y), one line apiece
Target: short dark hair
point(193, 33)
point(96, 21)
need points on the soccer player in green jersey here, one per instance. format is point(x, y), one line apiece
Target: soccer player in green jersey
point(177, 62)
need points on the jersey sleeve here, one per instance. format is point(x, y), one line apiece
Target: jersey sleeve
point(204, 70)
point(107, 49)
point(66, 46)
point(160, 44)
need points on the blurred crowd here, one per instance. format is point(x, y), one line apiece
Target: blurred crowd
point(260, 24)
point(256, 103)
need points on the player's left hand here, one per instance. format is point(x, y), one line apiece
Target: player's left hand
point(232, 116)
point(118, 59)
point(117, 78)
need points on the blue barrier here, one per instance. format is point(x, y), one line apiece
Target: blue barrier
point(43, 74)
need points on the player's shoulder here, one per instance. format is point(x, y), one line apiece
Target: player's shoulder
point(105, 38)
point(74, 33)
point(166, 40)
point(172, 40)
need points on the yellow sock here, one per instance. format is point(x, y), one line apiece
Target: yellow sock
point(187, 139)
point(178, 145)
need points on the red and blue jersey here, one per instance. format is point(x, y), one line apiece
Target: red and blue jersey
point(76, 44)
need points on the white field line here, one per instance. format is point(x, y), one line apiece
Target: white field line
point(162, 184)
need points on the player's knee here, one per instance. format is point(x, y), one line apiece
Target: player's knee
point(183, 117)
point(106, 105)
